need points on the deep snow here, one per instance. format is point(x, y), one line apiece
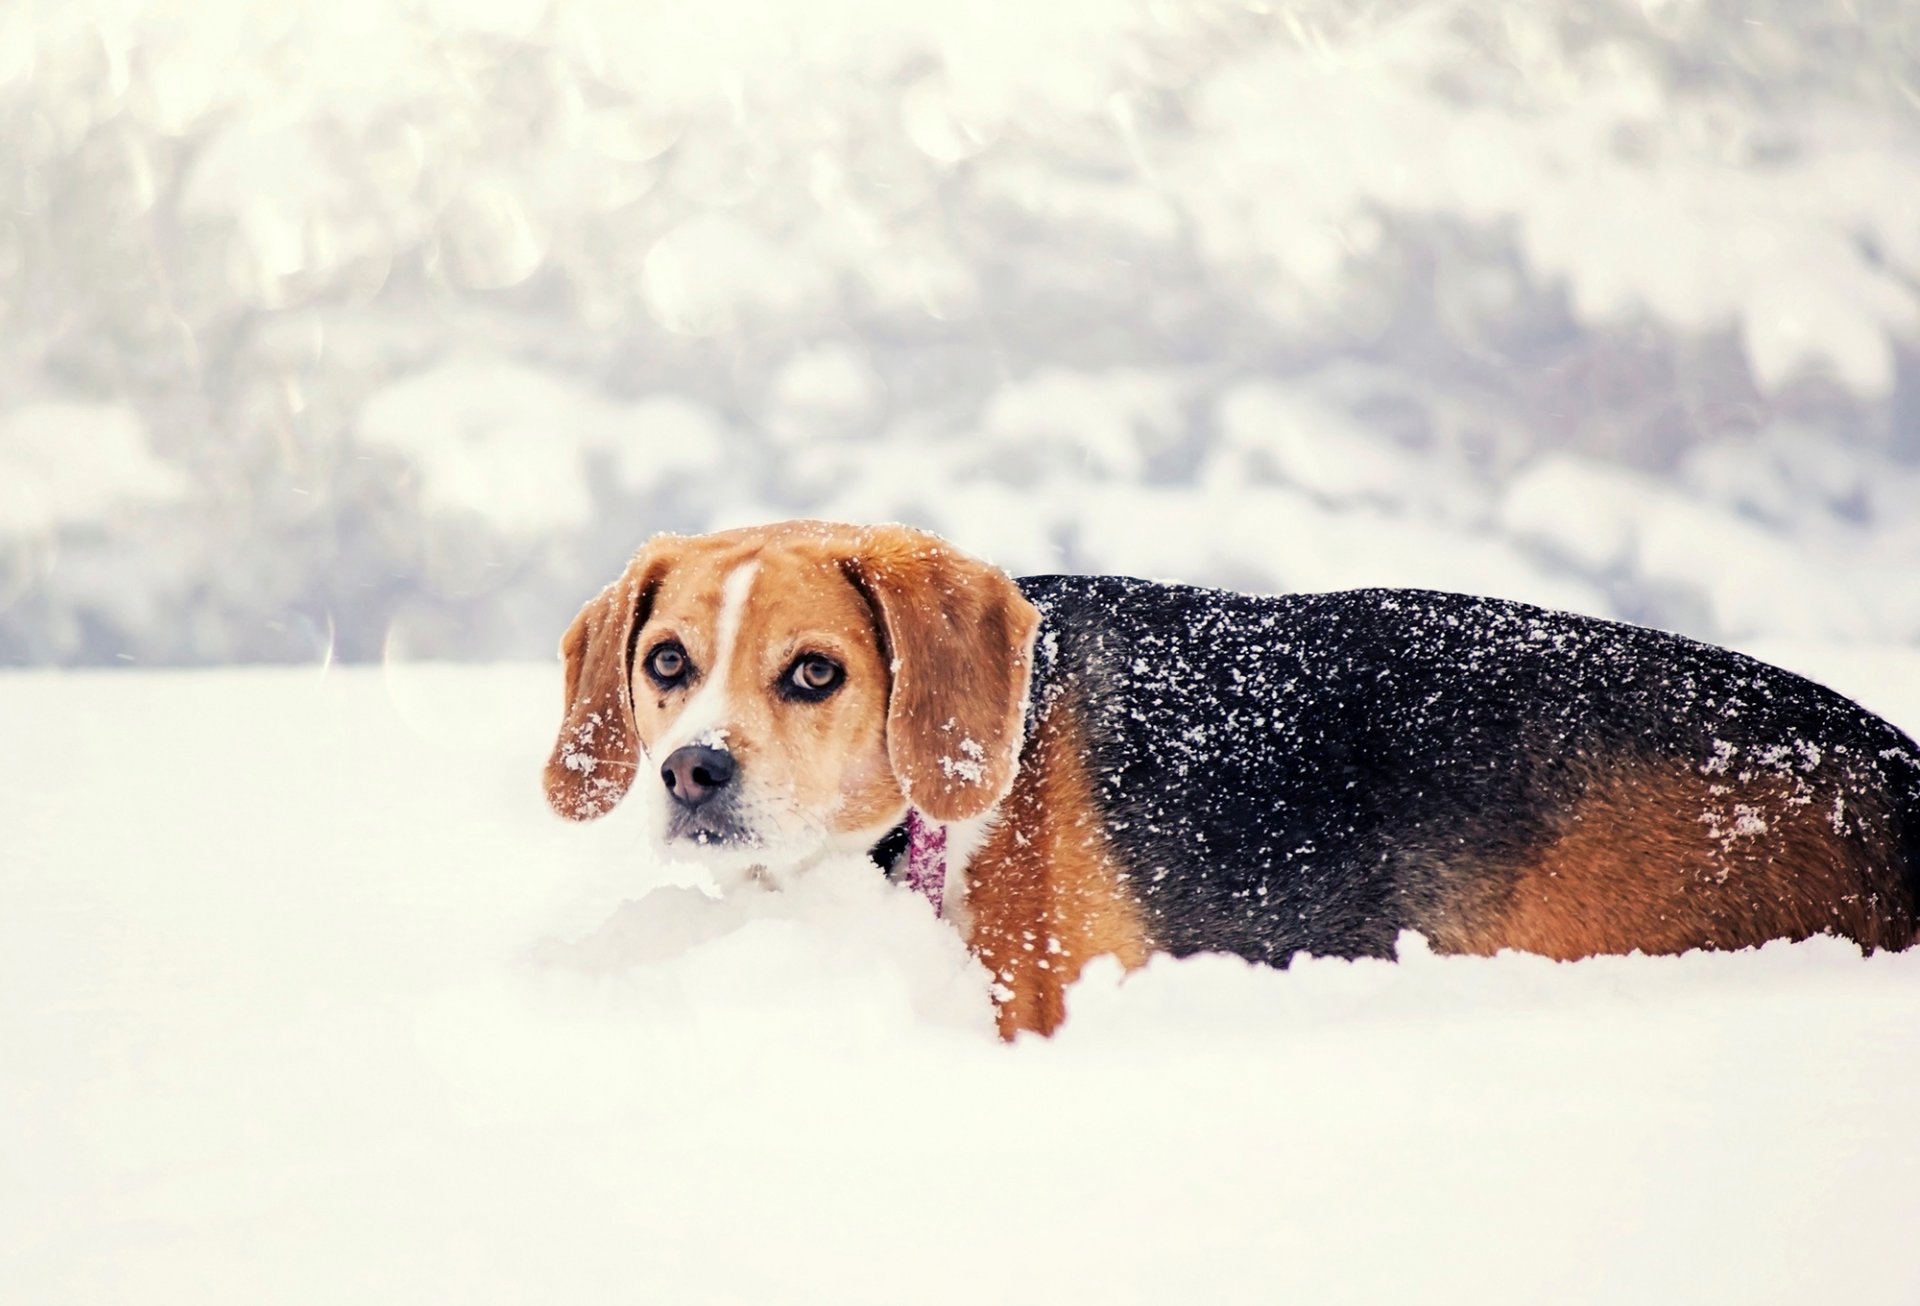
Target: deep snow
point(307, 998)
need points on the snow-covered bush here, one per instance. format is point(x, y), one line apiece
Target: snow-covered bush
point(335, 330)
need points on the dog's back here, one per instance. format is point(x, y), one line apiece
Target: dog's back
point(1318, 772)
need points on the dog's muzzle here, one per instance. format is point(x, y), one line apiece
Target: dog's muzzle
point(702, 797)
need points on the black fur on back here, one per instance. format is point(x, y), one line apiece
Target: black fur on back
point(1319, 771)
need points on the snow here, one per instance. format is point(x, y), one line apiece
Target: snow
point(428, 314)
point(512, 445)
point(306, 998)
point(339, 333)
point(712, 273)
point(822, 393)
point(72, 464)
point(969, 766)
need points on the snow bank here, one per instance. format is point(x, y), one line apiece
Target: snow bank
point(307, 998)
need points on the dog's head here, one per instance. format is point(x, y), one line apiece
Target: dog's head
point(785, 690)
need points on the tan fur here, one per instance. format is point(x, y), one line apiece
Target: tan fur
point(1666, 858)
point(960, 636)
point(831, 757)
point(592, 763)
point(1046, 892)
point(937, 649)
point(935, 646)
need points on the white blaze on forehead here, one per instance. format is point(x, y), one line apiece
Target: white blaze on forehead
point(705, 718)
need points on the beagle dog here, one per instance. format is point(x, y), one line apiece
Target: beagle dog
point(1122, 767)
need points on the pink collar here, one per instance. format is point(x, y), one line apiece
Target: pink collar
point(927, 858)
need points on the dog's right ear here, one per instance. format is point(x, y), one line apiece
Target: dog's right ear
point(594, 759)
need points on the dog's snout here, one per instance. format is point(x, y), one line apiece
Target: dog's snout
point(696, 773)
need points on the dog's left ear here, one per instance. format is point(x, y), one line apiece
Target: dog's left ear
point(594, 759)
point(960, 636)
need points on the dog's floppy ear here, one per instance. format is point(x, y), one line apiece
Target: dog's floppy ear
point(597, 753)
point(960, 637)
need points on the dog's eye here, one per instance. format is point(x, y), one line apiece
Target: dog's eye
point(812, 677)
point(667, 664)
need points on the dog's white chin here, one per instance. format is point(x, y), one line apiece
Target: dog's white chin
point(768, 863)
point(734, 865)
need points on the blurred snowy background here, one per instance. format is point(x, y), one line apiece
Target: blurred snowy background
point(359, 329)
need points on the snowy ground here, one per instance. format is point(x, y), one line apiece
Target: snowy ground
point(306, 998)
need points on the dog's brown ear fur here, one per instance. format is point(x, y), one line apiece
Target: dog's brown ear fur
point(960, 636)
point(597, 753)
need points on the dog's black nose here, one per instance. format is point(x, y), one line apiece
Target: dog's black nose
point(696, 773)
